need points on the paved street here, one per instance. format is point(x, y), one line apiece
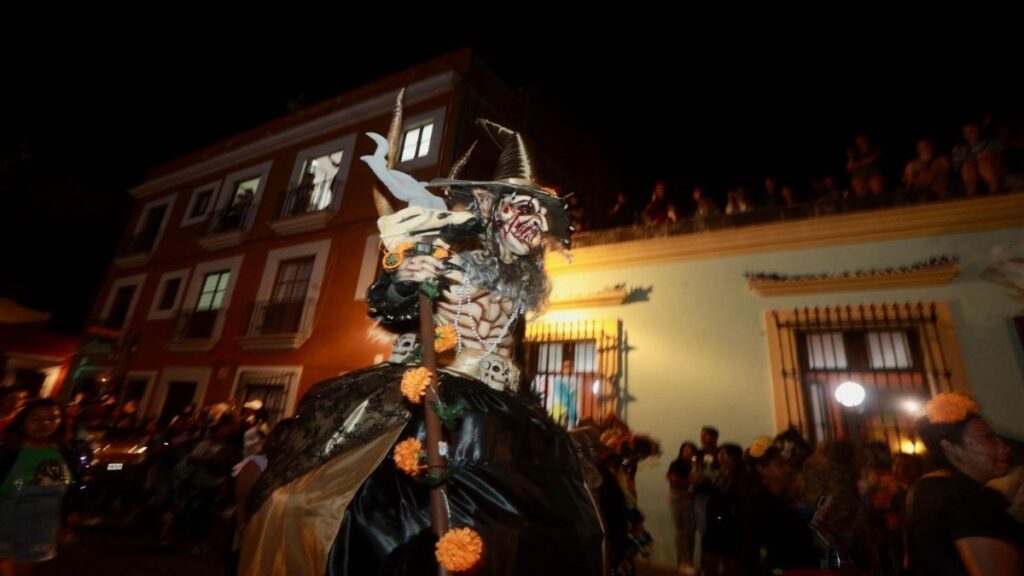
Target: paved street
point(126, 551)
point(123, 551)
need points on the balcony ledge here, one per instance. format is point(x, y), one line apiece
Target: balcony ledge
point(191, 345)
point(222, 240)
point(301, 223)
point(291, 341)
point(133, 260)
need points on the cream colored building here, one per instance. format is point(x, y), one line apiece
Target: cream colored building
point(708, 346)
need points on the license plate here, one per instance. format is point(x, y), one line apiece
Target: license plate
point(115, 466)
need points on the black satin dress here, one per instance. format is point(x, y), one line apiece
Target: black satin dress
point(516, 480)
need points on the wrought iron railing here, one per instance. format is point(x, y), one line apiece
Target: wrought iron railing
point(281, 317)
point(195, 324)
point(320, 197)
point(574, 368)
point(235, 217)
point(139, 243)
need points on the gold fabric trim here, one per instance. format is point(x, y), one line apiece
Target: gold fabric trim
point(294, 529)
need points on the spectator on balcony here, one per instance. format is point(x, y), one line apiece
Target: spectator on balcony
point(706, 207)
point(739, 201)
point(788, 196)
point(926, 177)
point(978, 158)
point(659, 209)
point(577, 214)
point(236, 213)
point(304, 193)
point(770, 197)
point(623, 213)
point(864, 168)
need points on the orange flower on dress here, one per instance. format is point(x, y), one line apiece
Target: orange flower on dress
point(760, 446)
point(949, 408)
point(440, 252)
point(459, 550)
point(444, 337)
point(409, 457)
point(415, 383)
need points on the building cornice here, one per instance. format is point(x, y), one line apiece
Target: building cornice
point(361, 111)
point(940, 218)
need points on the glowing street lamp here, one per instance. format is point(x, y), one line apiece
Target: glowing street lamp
point(850, 394)
point(911, 406)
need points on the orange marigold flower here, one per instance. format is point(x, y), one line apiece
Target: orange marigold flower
point(444, 337)
point(440, 253)
point(459, 550)
point(949, 408)
point(415, 383)
point(760, 446)
point(409, 457)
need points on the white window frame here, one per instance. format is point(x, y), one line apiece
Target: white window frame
point(154, 312)
point(165, 201)
point(212, 188)
point(232, 265)
point(436, 117)
point(345, 144)
point(150, 377)
point(368, 267)
point(319, 250)
point(295, 371)
point(139, 280)
point(201, 376)
point(227, 189)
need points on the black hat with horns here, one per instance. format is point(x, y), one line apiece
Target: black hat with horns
point(513, 175)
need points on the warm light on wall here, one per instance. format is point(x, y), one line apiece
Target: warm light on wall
point(912, 447)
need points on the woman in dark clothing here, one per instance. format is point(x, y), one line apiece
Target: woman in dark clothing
point(956, 525)
point(722, 539)
point(775, 537)
point(35, 473)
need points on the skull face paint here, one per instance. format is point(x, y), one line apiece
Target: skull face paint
point(522, 225)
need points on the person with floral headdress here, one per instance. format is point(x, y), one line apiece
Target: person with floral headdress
point(955, 524)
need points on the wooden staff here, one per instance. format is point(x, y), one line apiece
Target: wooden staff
point(436, 462)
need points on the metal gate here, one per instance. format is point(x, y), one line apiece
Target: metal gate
point(573, 368)
point(893, 351)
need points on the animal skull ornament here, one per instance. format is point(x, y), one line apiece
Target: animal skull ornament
point(404, 350)
point(522, 225)
point(415, 222)
point(496, 372)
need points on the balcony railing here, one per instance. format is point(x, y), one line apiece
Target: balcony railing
point(309, 199)
point(271, 318)
point(195, 324)
point(689, 224)
point(235, 217)
point(139, 243)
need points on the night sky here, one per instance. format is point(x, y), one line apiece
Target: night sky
point(75, 135)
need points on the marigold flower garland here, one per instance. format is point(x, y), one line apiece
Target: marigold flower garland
point(459, 550)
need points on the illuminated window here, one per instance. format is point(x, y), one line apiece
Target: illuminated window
point(416, 142)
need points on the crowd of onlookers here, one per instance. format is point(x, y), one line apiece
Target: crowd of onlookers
point(92, 460)
point(989, 159)
point(781, 505)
